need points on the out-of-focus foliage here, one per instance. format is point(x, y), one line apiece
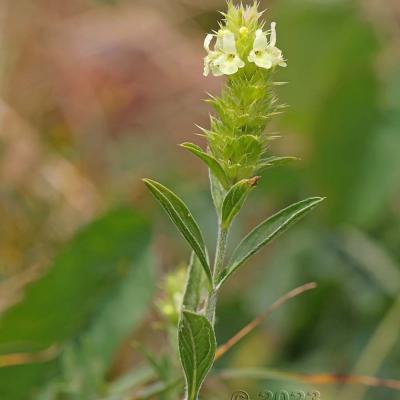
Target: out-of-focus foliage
point(337, 106)
point(80, 310)
point(95, 94)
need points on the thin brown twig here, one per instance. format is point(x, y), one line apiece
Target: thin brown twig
point(13, 359)
point(262, 317)
point(350, 379)
point(317, 379)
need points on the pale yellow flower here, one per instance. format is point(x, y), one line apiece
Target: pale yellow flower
point(224, 59)
point(265, 54)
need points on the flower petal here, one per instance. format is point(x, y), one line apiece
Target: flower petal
point(272, 37)
point(215, 70)
point(240, 63)
point(207, 42)
point(261, 41)
point(229, 65)
point(206, 71)
point(228, 42)
point(263, 61)
point(275, 55)
point(252, 56)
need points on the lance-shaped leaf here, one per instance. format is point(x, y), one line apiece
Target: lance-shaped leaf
point(183, 220)
point(211, 162)
point(235, 198)
point(267, 231)
point(197, 347)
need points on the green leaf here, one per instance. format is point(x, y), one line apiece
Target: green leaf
point(197, 347)
point(191, 298)
point(126, 383)
point(183, 220)
point(211, 162)
point(267, 231)
point(156, 390)
point(79, 300)
point(86, 360)
point(235, 198)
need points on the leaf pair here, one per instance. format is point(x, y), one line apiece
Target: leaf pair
point(253, 242)
point(219, 172)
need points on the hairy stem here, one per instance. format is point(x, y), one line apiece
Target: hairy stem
point(218, 266)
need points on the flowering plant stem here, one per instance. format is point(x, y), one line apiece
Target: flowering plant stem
point(218, 267)
point(237, 147)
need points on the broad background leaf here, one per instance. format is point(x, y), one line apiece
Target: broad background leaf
point(104, 271)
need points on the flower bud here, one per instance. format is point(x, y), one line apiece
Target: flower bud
point(243, 30)
point(169, 306)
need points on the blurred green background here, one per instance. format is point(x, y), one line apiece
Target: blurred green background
point(96, 95)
